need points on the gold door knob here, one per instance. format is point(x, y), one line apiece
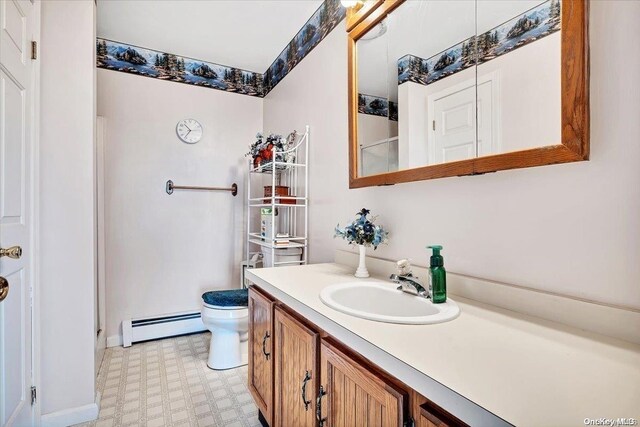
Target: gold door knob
point(4, 288)
point(14, 252)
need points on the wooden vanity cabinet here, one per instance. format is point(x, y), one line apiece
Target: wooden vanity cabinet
point(296, 376)
point(353, 394)
point(260, 378)
point(300, 376)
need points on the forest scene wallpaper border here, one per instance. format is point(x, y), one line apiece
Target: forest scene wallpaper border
point(322, 22)
point(127, 58)
point(377, 106)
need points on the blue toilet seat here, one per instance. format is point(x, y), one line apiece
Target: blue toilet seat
point(227, 298)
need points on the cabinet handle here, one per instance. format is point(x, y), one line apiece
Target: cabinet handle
point(321, 420)
point(307, 377)
point(264, 345)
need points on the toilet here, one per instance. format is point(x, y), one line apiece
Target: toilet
point(226, 315)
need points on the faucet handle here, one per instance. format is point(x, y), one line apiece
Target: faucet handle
point(404, 267)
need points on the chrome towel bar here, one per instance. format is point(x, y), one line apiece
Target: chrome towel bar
point(171, 186)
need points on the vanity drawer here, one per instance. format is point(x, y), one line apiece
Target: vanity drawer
point(427, 419)
point(428, 414)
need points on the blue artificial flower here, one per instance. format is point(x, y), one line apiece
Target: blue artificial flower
point(362, 231)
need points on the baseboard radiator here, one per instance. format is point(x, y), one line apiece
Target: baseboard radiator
point(163, 326)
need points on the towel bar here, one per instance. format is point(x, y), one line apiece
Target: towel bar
point(171, 186)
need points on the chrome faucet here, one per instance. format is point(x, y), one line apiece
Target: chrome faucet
point(408, 282)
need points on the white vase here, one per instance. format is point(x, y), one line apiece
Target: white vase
point(362, 267)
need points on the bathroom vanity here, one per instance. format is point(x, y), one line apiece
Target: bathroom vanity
point(311, 365)
point(300, 375)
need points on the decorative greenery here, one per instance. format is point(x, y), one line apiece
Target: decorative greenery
point(363, 231)
point(262, 149)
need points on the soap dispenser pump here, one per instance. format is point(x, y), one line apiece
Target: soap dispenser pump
point(437, 276)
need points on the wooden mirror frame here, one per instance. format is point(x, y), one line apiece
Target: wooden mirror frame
point(360, 11)
point(574, 145)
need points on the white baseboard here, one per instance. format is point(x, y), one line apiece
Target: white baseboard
point(114, 341)
point(71, 416)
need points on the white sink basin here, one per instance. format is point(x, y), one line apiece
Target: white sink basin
point(382, 302)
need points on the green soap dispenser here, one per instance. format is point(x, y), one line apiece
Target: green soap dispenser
point(437, 276)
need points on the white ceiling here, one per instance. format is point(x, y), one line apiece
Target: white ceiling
point(247, 34)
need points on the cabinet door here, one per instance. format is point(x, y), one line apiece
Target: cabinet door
point(296, 372)
point(355, 395)
point(260, 352)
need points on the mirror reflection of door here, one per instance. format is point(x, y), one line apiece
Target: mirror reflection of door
point(446, 81)
point(465, 121)
point(453, 126)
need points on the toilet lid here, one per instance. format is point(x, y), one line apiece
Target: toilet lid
point(227, 299)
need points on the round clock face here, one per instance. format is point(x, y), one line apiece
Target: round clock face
point(189, 131)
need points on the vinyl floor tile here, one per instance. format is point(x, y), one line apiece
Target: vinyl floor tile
point(167, 383)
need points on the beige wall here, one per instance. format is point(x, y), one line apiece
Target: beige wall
point(163, 252)
point(573, 229)
point(66, 203)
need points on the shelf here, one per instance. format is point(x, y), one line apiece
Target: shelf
point(268, 244)
point(268, 205)
point(259, 199)
point(280, 167)
point(258, 236)
point(294, 175)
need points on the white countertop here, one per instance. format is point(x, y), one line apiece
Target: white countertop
point(524, 369)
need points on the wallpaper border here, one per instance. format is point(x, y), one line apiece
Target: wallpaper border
point(145, 62)
point(318, 26)
point(128, 58)
point(377, 106)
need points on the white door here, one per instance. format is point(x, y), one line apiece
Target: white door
point(454, 126)
point(452, 114)
point(17, 114)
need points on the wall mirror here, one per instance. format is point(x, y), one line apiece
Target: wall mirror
point(447, 88)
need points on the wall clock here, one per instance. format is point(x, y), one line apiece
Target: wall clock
point(189, 131)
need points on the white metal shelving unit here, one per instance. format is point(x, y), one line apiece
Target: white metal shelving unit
point(292, 218)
